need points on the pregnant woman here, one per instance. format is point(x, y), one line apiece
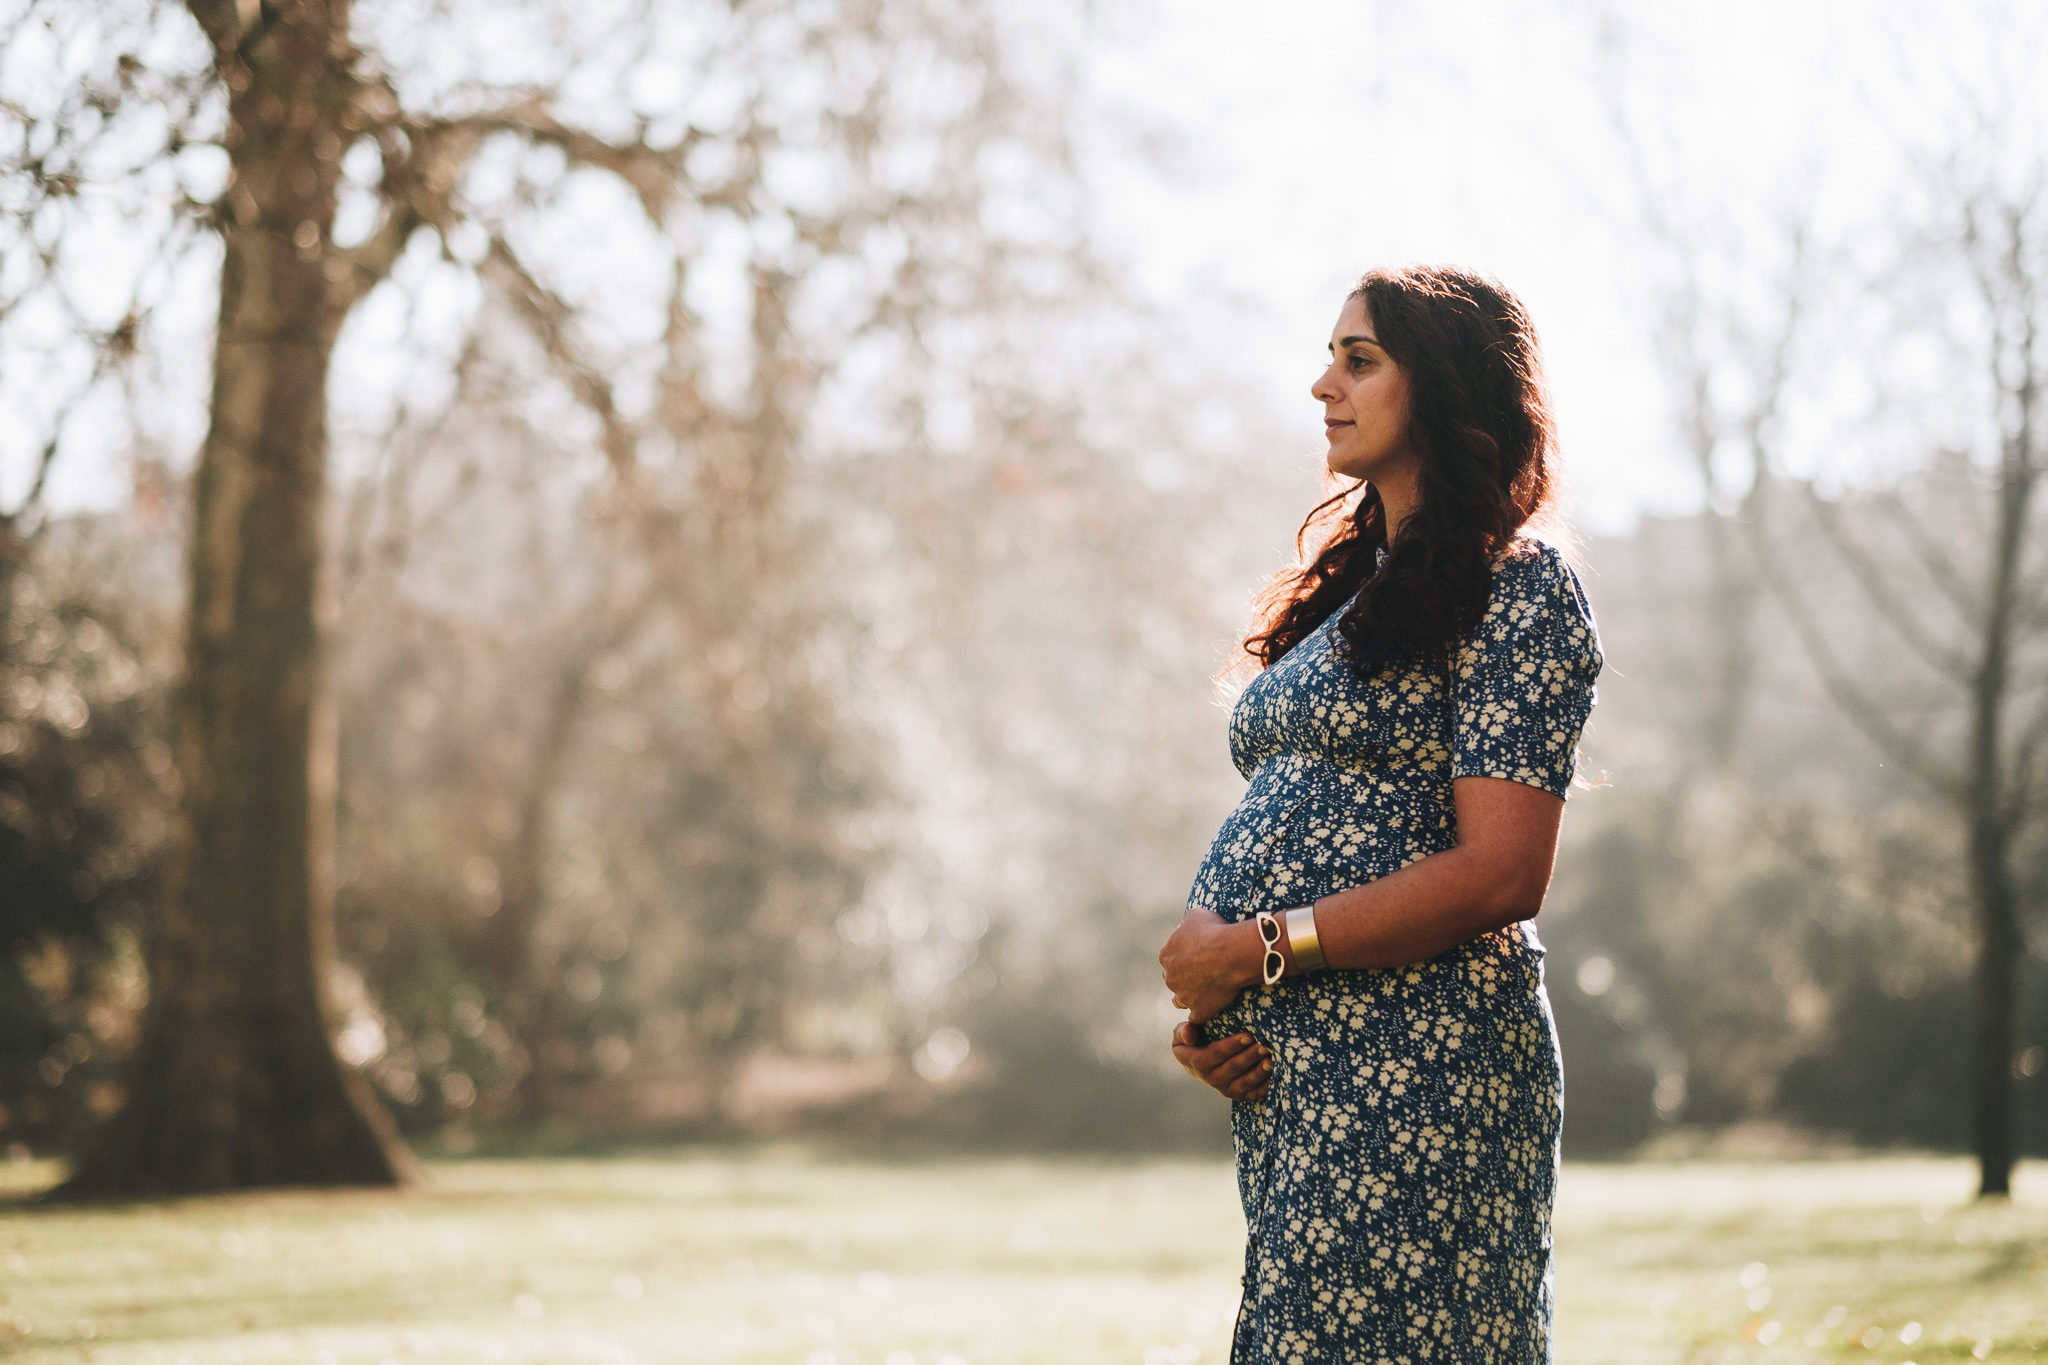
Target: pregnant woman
point(1356, 961)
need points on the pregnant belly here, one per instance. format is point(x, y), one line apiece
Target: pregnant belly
point(1482, 994)
point(1307, 828)
point(1233, 877)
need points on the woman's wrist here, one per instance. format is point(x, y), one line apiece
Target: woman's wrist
point(1296, 929)
point(1248, 954)
point(1248, 958)
point(1304, 940)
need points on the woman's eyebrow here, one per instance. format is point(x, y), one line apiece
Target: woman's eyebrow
point(1348, 342)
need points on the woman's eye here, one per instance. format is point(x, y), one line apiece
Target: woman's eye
point(1359, 362)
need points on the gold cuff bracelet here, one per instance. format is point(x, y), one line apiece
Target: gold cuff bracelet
point(1302, 941)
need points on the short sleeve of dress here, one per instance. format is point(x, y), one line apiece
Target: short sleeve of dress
point(1524, 678)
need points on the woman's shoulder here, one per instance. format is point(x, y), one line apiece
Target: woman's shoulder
point(1534, 576)
point(1525, 549)
point(1531, 563)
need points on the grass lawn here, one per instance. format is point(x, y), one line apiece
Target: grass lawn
point(775, 1256)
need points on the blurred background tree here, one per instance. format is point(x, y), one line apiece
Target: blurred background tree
point(846, 241)
point(775, 552)
point(1883, 506)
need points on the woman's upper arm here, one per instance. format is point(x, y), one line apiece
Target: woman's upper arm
point(1522, 682)
point(1523, 689)
point(1511, 828)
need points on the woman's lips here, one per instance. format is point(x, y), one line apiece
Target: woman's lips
point(1330, 424)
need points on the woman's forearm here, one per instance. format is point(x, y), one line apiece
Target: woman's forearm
point(1495, 876)
point(1424, 909)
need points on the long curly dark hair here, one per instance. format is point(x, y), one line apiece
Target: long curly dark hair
point(1481, 429)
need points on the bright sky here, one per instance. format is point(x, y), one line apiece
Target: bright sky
point(1251, 160)
point(1320, 137)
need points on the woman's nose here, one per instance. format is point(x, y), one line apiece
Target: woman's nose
point(1323, 391)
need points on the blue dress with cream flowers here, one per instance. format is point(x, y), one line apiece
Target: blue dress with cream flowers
point(1398, 1177)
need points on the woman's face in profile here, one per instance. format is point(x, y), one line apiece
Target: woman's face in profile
point(1365, 403)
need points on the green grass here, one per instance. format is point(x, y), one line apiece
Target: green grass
point(775, 1256)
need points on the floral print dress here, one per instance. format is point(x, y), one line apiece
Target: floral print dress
point(1398, 1177)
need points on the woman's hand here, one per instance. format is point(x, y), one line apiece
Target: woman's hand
point(1206, 962)
point(1236, 1067)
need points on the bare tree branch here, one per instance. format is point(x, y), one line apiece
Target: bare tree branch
point(550, 317)
point(656, 174)
point(1855, 703)
point(401, 444)
point(1929, 552)
point(1874, 581)
point(423, 161)
point(2028, 770)
point(221, 21)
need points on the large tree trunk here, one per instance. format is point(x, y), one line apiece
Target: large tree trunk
point(1990, 823)
point(237, 1083)
point(1998, 947)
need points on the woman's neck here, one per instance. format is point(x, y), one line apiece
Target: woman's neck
point(1398, 498)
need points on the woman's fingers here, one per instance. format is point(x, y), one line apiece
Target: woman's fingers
point(1228, 1071)
point(1197, 966)
point(1235, 1066)
point(1238, 1067)
point(1254, 1083)
point(1202, 1058)
point(1206, 1057)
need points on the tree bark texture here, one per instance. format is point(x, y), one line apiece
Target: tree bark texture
point(237, 1083)
point(1990, 820)
point(1998, 947)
